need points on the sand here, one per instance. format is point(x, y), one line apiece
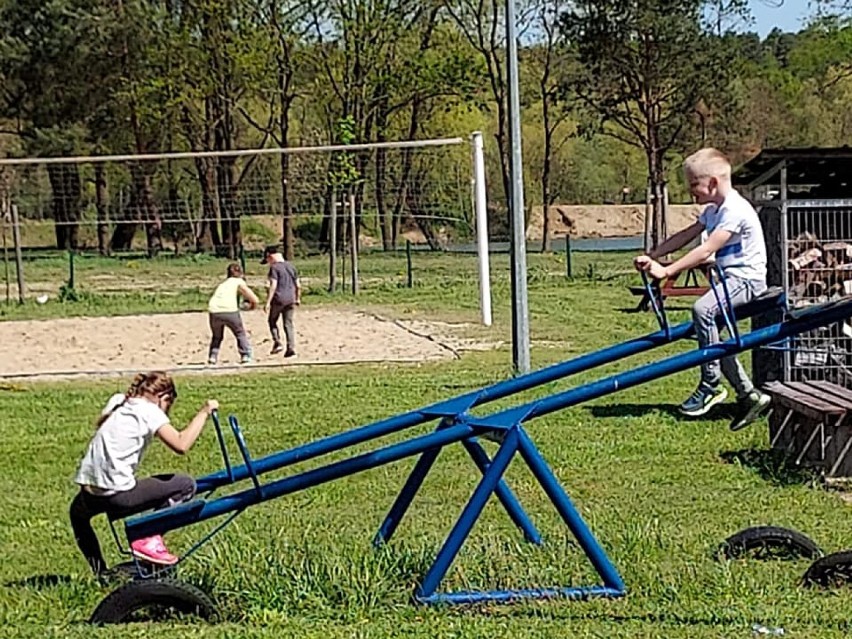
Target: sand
point(178, 342)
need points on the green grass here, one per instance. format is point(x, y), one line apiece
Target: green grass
point(659, 492)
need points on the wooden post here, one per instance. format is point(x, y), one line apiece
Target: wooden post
point(410, 279)
point(332, 253)
point(3, 220)
point(353, 244)
point(19, 259)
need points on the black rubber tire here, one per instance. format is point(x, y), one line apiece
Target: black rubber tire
point(830, 571)
point(156, 594)
point(769, 542)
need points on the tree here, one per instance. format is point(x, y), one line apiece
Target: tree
point(647, 65)
point(54, 63)
point(483, 25)
point(555, 66)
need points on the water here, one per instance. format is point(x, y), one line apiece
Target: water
point(588, 245)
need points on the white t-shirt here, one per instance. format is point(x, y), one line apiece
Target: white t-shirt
point(744, 254)
point(114, 452)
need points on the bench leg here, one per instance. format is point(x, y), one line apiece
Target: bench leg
point(781, 428)
point(843, 452)
point(817, 430)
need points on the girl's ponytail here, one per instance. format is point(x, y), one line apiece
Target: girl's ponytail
point(154, 383)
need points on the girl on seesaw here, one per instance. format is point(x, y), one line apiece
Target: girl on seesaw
point(107, 474)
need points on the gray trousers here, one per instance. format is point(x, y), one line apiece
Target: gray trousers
point(234, 323)
point(704, 315)
point(287, 312)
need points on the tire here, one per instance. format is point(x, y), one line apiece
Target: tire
point(830, 571)
point(769, 542)
point(153, 599)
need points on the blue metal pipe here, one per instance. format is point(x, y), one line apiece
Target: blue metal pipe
point(466, 401)
point(469, 515)
point(418, 474)
point(406, 495)
point(504, 493)
point(452, 406)
point(675, 364)
point(505, 596)
point(161, 521)
point(569, 514)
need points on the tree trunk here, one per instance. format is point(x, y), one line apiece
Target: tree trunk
point(207, 237)
point(656, 184)
point(545, 176)
point(287, 234)
point(101, 205)
point(67, 191)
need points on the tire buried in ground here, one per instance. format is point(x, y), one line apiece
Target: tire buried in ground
point(833, 570)
point(769, 542)
point(154, 599)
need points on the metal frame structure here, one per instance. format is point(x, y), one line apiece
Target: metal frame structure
point(455, 424)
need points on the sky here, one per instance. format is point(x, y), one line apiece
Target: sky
point(790, 16)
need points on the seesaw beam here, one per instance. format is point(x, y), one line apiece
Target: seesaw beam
point(466, 401)
point(761, 337)
point(162, 521)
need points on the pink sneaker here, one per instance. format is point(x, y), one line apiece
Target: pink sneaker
point(154, 550)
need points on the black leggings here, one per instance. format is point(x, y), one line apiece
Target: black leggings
point(159, 491)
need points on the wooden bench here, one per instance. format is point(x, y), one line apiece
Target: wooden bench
point(809, 421)
point(671, 288)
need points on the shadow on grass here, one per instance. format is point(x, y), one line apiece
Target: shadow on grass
point(539, 609)
point(39, 581)
point(725, 411)
point(772, 466)
point(633, 410)
point(668, 309)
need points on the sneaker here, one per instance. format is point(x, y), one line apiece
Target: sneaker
point(154, 550)
point(750, 408)
point(211, 361)
point(276, 348)
point(702, 400)
point(246, 359)
point(290, 353)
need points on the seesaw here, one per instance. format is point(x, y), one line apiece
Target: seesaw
point(454, 424)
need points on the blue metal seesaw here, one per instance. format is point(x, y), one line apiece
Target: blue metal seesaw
point(456, 425)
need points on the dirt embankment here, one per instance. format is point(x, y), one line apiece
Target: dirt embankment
point(616, 220)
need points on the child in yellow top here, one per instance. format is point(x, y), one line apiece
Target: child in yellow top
point(224, 311)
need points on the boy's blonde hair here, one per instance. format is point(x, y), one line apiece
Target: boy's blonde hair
point(708, 162)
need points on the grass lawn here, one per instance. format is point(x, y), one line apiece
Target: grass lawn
point(659, 492)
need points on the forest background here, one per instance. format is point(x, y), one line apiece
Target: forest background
point(613, 94)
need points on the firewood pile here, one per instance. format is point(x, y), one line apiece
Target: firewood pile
point(819, 271)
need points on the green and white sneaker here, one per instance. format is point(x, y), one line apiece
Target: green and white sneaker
point(750, 408)
point(703, 399)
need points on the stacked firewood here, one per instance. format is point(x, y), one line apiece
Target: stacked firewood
point(818, 271)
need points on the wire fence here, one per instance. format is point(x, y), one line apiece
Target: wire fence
point(214, 200)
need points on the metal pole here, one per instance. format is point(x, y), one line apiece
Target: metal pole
point(568, 256)
point(520, 304)
point(70, 270)
point(19, 259)
point(785, 275)
point(481, 215)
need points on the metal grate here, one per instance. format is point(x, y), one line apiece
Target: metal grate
point(817, 247)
